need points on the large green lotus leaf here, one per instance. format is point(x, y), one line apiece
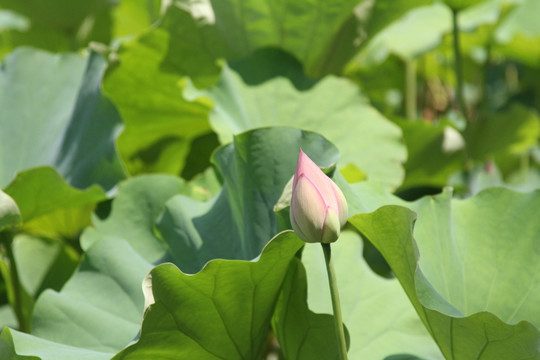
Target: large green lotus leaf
point(160, 124)
point(67, 124)
point(320, 35)
point(222, 312)
point(239, 221)
point(49, 206)
point(364, 137)
point(460, 269)
point(503, 136)
point(376, 311)
point(60, 25)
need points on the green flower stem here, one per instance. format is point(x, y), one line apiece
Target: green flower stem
point(458, 67)
point(410, 88)
point(338, 321)
point(6, 239)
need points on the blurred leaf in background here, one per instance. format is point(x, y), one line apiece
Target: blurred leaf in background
point(58, 25)
point(62, 120)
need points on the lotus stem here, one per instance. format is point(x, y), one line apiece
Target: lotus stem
point(334, 294)
point(6, 239)
point(410, 88)
point(458, 67)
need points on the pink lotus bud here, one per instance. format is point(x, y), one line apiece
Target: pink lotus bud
point(318, 207)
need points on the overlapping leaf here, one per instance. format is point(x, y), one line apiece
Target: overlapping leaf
point(49, 206)
point(221, 312)
point(320, 35)
point(371, 142)
point(469, 255)
point(67, 124)
point(160, 124)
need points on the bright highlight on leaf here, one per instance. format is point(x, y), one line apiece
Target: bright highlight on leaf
point(318, 207)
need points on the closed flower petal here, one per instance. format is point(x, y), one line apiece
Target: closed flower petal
point(318, 207)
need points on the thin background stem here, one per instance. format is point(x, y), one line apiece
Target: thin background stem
point(6, 239)
point(458, 66)
point(334, 294)
point(410, 92)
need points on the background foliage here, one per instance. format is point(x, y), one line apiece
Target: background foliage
point(146, 149)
